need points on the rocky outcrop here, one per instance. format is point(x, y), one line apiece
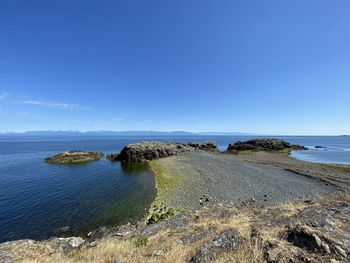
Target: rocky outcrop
point(144, 151)
point(227, 240)
point(264, 144)
point(21, 250)
point(74, 157)
point(305, 239)
point(197, 235)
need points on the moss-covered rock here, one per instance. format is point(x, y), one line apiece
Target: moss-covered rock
point(158, 213)
point(74, 157)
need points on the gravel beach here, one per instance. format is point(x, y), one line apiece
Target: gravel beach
point(228, 178)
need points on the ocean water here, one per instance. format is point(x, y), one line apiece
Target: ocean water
point(38, 198)
point(337, 149)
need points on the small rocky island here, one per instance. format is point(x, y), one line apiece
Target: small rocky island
point(264, 144)
point(72, 157)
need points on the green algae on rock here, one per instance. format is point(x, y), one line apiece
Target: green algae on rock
point(74, 157)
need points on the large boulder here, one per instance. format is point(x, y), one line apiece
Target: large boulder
point(143, 151)
point(263, 144)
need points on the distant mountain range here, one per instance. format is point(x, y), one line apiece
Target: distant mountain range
point(120, 133)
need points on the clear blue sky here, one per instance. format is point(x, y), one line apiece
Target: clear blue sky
point(277, 67)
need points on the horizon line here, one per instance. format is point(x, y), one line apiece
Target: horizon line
point(167, 131)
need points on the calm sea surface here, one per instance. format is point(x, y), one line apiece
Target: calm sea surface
point(37, 198)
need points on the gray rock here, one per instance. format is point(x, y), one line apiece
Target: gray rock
point(339, 251)
point(198, 235)
point(178, 223)
point(158, 253)
point(66, 245)
point(120, 232)
point(227, 240)
point(272, 256)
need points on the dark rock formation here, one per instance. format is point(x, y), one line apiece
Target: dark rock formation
point(298, 147)
point(312, 242)
point(263, 144)
point(320, 147)
point(143, 151)
point(112, 156)
point(227, 240)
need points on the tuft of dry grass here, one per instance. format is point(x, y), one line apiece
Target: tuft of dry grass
point(250, 252)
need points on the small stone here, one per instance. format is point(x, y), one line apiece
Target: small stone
point(158, 253)
point(340, 252)
point(317, 240)
point(272, 256)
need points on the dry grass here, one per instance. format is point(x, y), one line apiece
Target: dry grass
point(290, 209)
point(164, 243)
point(250, 252)
point(167, 246)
